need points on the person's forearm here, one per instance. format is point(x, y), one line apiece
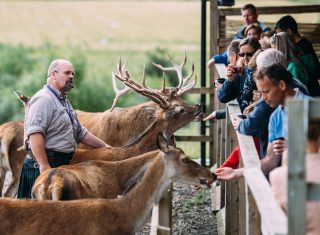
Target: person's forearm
point(38, 150)
point(269, 163)
point(93, 141)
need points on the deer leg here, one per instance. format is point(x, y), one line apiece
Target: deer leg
point(15, 169)
point(2, 179)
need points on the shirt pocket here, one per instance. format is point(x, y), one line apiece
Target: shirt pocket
point(62, 119)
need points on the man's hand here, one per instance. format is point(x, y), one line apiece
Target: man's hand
point(227, 173)
point(236, 121)
point(44, 167)
point(279, 146)
point(211, 63)
point(210, 116)
point(256, 95)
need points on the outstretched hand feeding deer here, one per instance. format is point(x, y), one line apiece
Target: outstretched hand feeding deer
point(112, 127)
point(124, 215)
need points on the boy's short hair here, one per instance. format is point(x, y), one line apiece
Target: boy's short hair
point(249, 7)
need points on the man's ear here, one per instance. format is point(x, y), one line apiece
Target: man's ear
point(282, 85)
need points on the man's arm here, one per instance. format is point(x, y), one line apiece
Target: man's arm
point(271, 160)
point(38, 150)
point(93, 141)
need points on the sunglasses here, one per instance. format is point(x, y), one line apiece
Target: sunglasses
point(249, 54)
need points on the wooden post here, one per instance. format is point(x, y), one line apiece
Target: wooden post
point(165, 212)
point(297, 191)
point(213, 146)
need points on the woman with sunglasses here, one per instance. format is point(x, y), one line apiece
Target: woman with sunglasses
point(240, 76)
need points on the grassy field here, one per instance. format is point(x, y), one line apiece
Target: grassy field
point(107, 30)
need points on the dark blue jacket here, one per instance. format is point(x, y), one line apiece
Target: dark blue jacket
point(256, 124)
point(234, 90)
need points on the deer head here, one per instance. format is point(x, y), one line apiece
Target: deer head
point(178, 112)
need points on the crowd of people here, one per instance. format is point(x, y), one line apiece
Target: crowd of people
point(264, 67)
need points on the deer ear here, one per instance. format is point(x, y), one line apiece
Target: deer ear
point(162, 143)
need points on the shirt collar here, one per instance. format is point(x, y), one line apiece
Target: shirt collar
point(56, 91)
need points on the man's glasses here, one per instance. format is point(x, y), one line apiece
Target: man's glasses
point(249, 54)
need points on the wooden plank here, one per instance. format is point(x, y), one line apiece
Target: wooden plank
point(201, 90)
point(221, 222)
point(214, 29)
point(221, 69)
point(273, 10)
point(154, 220)
point(297, 189)
point(193, 138)
point(165, 211)
point(242, 207)
point(273, 218)
point(254, 219)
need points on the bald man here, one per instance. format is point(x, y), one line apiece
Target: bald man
point(51, 128)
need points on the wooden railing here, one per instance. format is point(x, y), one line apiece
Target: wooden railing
point(248, 206)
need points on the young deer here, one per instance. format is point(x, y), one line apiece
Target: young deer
point(91, 179)
point(124, 215)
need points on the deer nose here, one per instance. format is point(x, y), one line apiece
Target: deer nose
point(182, 110)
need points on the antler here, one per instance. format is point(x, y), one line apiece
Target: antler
point(155, 95)
point(178, 68)
point(118, 92)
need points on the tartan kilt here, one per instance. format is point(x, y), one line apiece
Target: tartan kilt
point(30, 170)
point(27, 178)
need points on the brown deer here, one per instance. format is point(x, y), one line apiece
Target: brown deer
point(124, 215)
point(100, 178)
point(113, 126)
point(91, 179)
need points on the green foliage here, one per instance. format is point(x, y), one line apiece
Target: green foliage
point(159, 56)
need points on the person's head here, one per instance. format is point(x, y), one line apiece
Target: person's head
point(270, 56)
point(284, 43)
point(233, 51)
point(247, 48)
point(60, 75)
point(253, 30)
point(273, 83)
point(249, 14)
point(286, 24)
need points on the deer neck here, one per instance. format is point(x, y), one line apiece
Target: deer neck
point(146, 141)
point(133, 169)
point(149, 190)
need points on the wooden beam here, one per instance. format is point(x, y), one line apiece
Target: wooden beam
point(201, 90)
point(193, 138)
point(273, 10)
point(272, 216)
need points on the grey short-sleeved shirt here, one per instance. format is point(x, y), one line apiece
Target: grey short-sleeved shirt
point(47, 115)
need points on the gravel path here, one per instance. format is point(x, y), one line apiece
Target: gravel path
point(191, 212)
